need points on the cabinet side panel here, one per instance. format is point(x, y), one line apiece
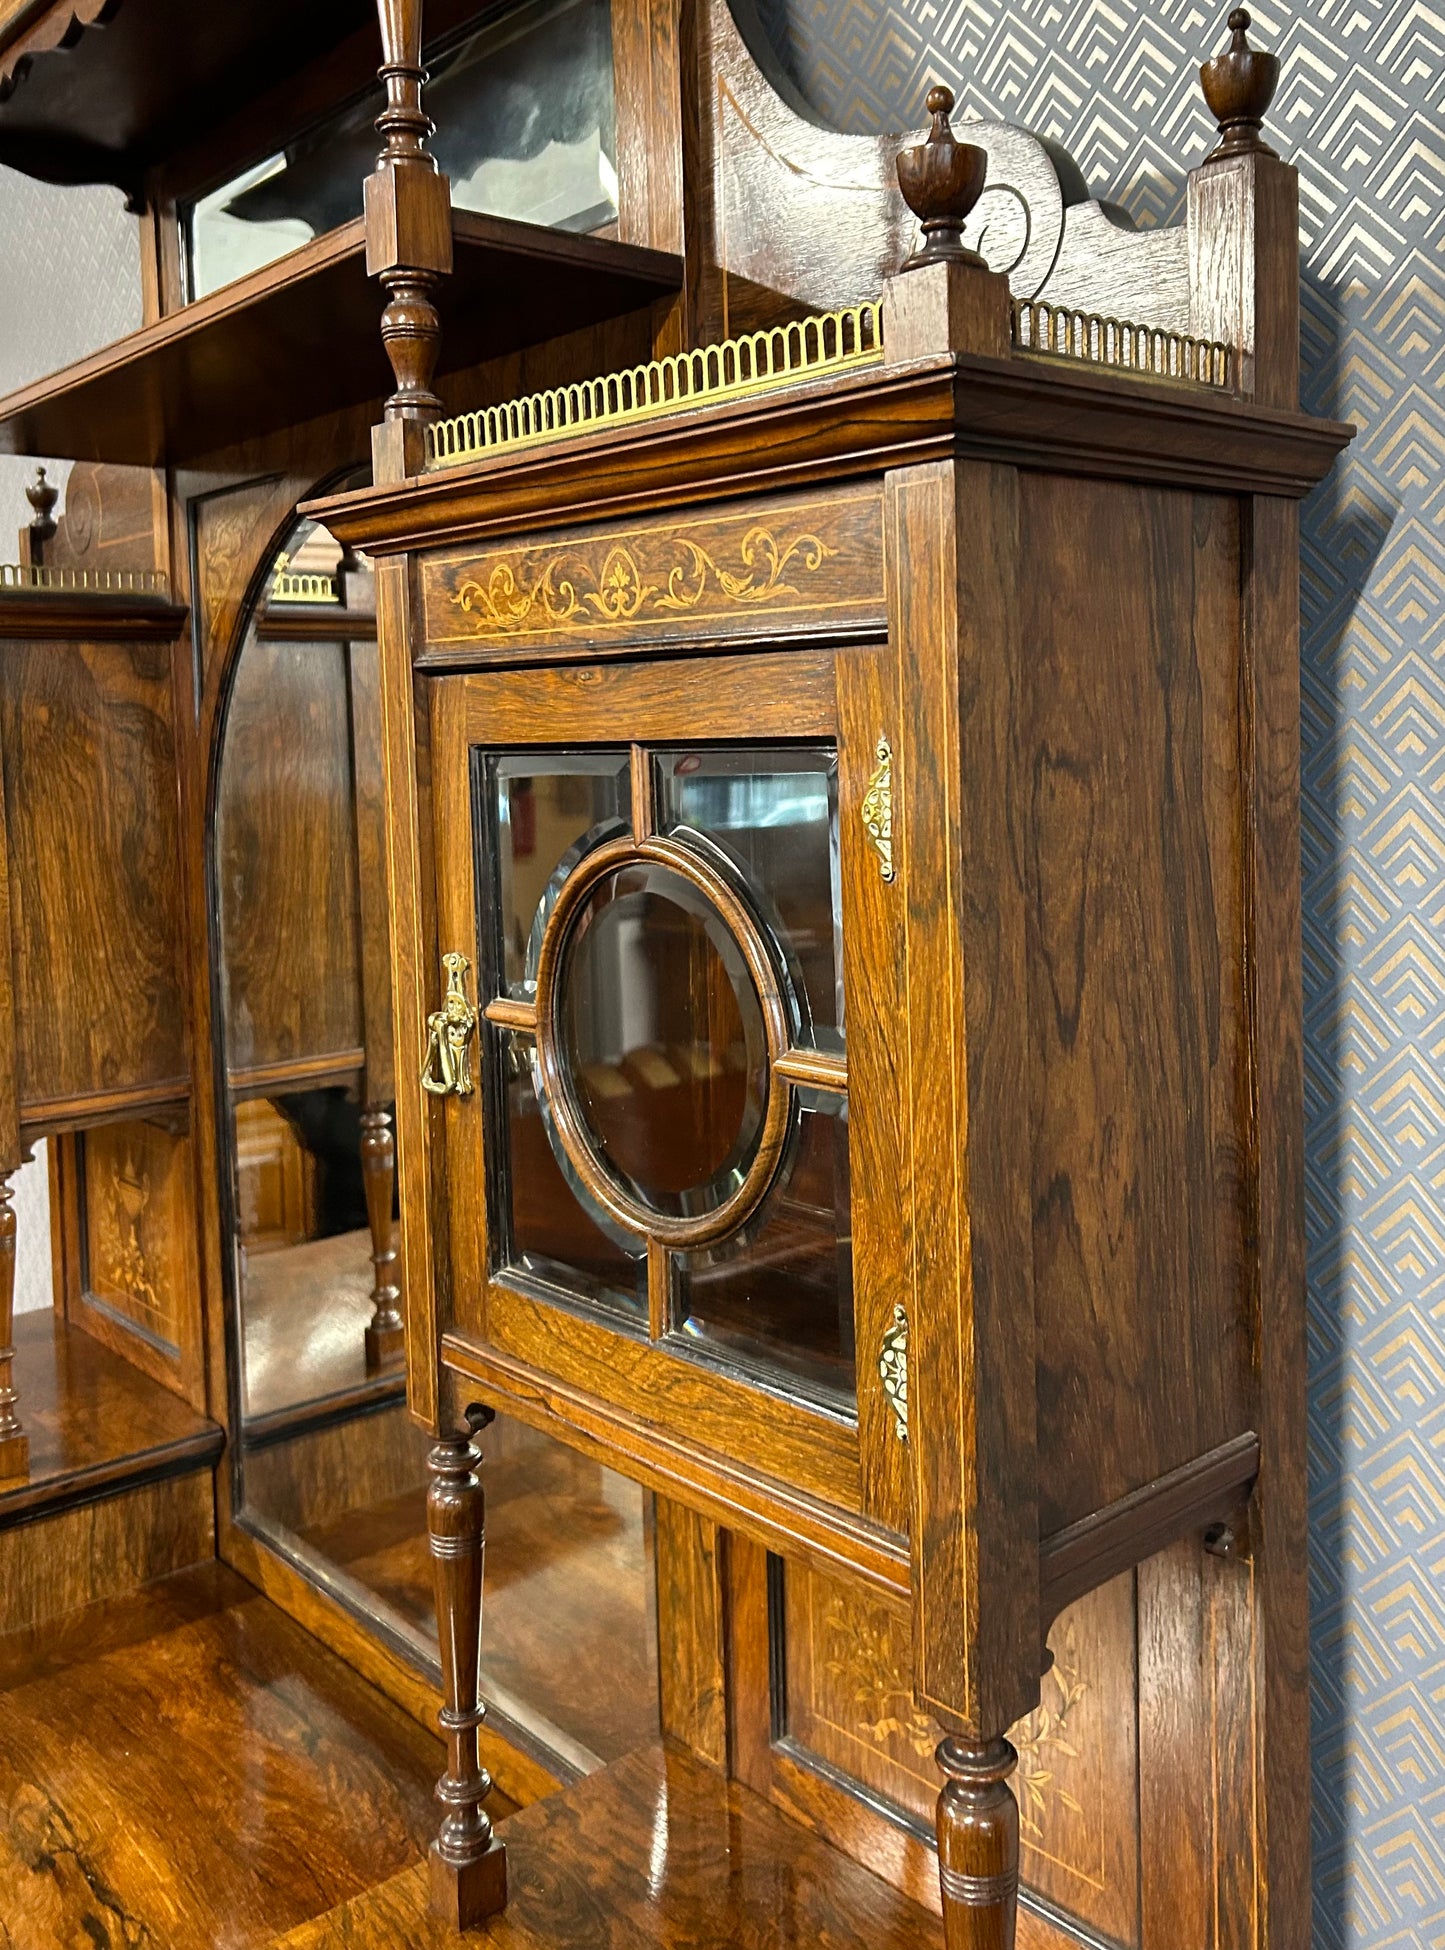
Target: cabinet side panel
point(91, 808)
point(1131, 627)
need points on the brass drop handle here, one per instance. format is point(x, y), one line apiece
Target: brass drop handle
point(893, 1370)
point(446, 1070)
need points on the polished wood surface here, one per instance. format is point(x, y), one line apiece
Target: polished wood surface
point(570, 1642)
point(1137, 1010)
point(162, 1764)
point(298, 340)
point(657, 1850)
point(96, 1424)
point(307, 1308)
point(286, 869)
point(97, 1551)
point(89, 764)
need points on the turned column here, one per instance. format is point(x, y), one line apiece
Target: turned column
point(408, 241)
point(978, 1845)
point(14, 1443)
point(385, 1333)
point(468, 1864)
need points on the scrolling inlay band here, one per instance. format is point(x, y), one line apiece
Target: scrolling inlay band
point(791, 561)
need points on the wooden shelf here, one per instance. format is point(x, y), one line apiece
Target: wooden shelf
point(97, 1425)
point(301, 339)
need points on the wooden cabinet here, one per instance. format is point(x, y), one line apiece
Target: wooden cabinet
point(844, 852)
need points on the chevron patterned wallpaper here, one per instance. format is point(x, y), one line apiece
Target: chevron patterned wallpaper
point(1361, 111)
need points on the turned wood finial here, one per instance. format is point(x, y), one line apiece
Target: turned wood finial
point(42, 498)
point(941, 180)
point(1239, 86)
point(408, 217)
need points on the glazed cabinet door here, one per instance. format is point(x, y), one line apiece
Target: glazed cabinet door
point(658, 886)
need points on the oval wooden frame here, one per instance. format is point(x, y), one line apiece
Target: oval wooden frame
point(679, 1233)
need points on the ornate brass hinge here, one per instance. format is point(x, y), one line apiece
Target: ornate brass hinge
point(893, 1371)
point(877, 809)
point(447, 1068)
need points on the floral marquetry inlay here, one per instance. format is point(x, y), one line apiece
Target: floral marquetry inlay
point(850, 1702)
point(573, 589)
point(783, 563)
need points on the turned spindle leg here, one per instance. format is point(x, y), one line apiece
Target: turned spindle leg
point(14, 1443)
point(468, 1865)
point(978, 1845)
point(385, 1334)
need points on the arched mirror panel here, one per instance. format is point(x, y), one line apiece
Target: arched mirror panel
point(331, 1470)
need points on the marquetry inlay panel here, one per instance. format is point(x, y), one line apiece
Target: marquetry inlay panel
point(778, 567)
point(849, 1701)
point(137, 1208)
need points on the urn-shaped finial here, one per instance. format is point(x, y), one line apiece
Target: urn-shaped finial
point(1239, 86)
point(941, 180)
point(42, 498)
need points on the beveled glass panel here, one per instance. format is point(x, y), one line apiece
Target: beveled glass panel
point(773, 811)
point(777, 1299)
point(554, 1236)
point(550, 809)
point(525, 128)
point(662, 1032)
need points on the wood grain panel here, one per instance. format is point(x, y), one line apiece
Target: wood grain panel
point(91, 816)
point(231, 528)
point(286, 858)
point(166, 1792)
point(773, 1438)
point(369, 794)
point(102, 1550)
point(660, 1851)
point(873, 981)
point(1135, 957)
point(850, 1704)
point(690, 1629)
point(776, 566)
point(953, 561)
point(790, 694)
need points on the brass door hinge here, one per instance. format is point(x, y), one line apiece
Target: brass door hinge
point(893, 1371)
point(877, 808)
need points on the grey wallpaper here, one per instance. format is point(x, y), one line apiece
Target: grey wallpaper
point(1360, 112)
point(69, 283)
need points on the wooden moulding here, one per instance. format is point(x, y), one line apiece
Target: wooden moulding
point(725, 1492)
point(36, 616)
point(1019, 412)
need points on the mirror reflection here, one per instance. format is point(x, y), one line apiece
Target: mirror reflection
point(332, 1469)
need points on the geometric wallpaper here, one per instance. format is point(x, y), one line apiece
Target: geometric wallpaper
point(1361, 113)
